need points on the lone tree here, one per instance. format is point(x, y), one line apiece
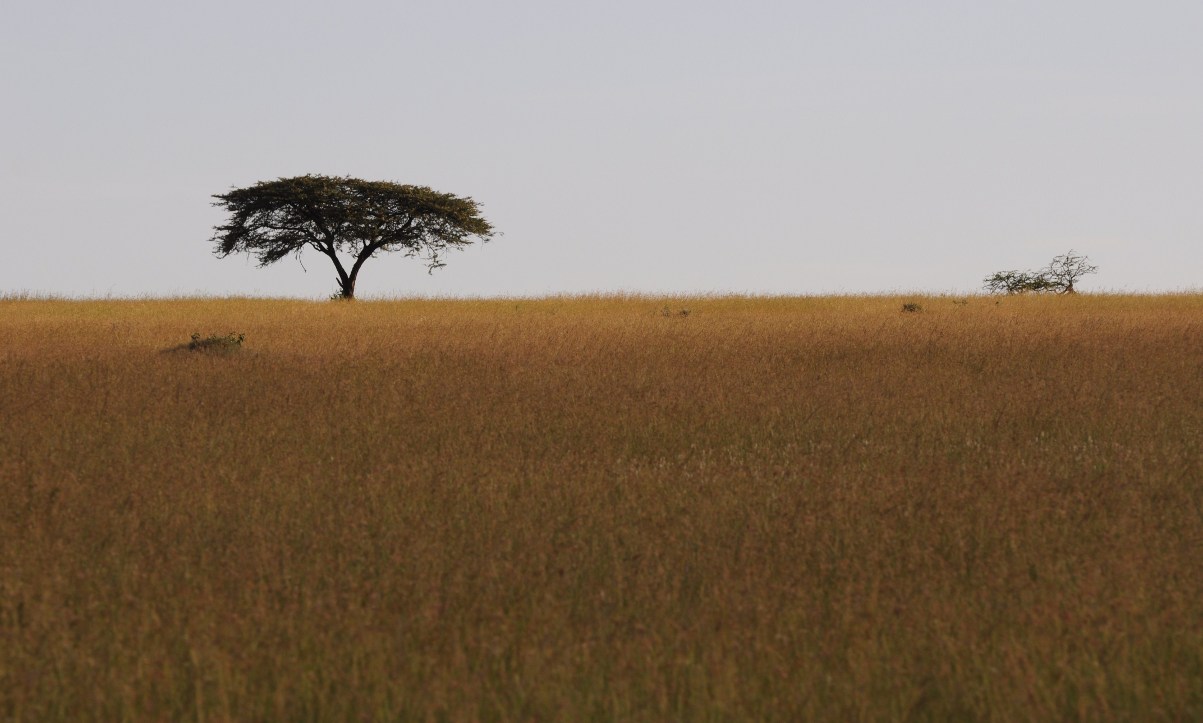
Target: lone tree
point(1058, 277)
point(333, 216)
point(1064, 271)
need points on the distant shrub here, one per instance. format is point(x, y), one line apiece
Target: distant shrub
point(1058, 277)
point(1017, 282)
point(227, 344)
point(1064, 271)
point(911, 307)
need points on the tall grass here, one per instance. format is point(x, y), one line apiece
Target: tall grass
point(769, 508)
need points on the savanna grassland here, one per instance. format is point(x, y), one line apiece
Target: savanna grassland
point(603, 508)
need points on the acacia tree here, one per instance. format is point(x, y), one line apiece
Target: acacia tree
point(1058, 277)
point(1064, 271)
point(345, 216)
point(1016, 282)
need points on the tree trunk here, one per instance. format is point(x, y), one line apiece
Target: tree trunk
point(346, 282)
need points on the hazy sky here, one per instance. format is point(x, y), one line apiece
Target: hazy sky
point(770, 147)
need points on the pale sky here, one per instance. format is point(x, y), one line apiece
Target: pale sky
point(653, 146)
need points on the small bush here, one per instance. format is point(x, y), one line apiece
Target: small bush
point(227, 344)
point(1058, 277)
point(1017, 282)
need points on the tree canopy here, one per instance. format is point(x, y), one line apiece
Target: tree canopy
point(340, 215)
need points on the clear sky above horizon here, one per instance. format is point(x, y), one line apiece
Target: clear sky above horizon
point(653, 146)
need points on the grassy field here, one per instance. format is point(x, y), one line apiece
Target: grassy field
point(603, 508)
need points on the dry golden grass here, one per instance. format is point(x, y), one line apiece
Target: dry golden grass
point(769, 508)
